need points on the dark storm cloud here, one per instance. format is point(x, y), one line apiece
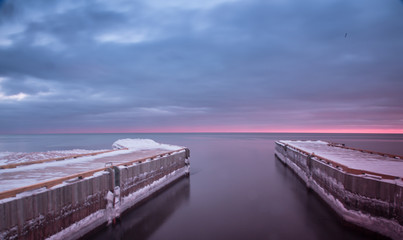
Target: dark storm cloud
point(116, 65)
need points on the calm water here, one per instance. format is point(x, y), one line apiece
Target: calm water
point(236, 189)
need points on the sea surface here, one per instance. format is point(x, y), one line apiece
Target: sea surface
point(236, 189)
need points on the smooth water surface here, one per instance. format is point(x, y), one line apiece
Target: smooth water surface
point(236, 189)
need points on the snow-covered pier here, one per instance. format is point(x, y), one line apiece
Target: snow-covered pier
point(65, 198)
point(364, 188)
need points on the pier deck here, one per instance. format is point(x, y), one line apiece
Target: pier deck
point(352, 160)
point(25, 175)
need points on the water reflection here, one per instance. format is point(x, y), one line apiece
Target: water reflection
point(142, 221)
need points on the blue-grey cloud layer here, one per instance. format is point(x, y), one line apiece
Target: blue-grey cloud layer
point(97, 64)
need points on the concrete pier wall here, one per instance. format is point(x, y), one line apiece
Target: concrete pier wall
point(71, 210)
point(374, 204)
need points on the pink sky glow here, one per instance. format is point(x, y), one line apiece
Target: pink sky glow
point(214, 129)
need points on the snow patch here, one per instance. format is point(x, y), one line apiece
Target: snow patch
point(20, 157)
point(142, 144)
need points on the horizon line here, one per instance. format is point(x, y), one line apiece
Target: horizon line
point(205, 132)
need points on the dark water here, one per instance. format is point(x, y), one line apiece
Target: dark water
point(236, 189)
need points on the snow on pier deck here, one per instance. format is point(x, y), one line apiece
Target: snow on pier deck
point(350, 159)
point(35, 173)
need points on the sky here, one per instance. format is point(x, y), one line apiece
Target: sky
point(201, 66)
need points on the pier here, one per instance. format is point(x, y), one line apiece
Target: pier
point(364, 188)
point(66, 198)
